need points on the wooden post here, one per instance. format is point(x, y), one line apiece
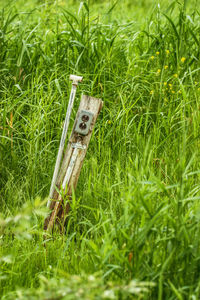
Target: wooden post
point(73, 160)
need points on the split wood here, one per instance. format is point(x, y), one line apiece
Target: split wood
point(71, 166)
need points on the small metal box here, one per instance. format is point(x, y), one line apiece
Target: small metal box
point(84, 121)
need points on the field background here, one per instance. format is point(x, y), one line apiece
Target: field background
point(133, 230)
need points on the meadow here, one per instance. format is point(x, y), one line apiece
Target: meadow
point(134, 225)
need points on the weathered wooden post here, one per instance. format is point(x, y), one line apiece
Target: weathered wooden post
point(73, 160)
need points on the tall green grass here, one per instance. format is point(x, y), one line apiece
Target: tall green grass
point(135, 212)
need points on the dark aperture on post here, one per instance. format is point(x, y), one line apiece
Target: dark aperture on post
point(82, 126)
point(85, 118)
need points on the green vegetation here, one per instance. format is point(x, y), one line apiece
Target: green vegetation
point(133, 230)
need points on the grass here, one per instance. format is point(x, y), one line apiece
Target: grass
point(133, 230)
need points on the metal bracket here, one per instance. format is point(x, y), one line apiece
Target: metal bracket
point(78, 146)
point(84, 121)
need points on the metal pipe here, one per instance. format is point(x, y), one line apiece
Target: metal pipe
point(75, 79)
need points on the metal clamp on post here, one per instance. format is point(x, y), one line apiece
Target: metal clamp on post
point(78, 146)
